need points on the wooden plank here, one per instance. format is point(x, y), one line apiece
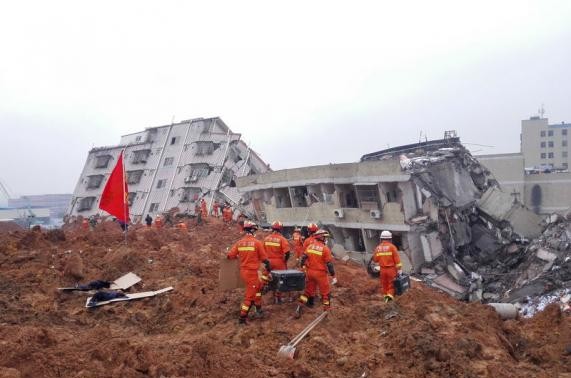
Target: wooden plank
point(229, 275)
point(125, 282)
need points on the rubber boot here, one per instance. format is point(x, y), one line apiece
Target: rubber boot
point(310, 302)
point(242, 320)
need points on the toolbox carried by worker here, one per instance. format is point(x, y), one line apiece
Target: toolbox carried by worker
point(402, 283)
point(287, 280)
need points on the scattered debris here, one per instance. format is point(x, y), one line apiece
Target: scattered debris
point(116, 296)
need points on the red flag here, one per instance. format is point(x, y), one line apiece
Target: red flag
point(115, 194)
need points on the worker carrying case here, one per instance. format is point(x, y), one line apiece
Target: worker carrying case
point(402, 283)
point(287, 280)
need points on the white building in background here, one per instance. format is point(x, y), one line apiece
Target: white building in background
point(170, 166)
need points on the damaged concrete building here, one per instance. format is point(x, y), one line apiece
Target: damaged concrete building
point(449, 217)
point(172, 166)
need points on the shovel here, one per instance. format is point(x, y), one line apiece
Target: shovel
point(289, 351)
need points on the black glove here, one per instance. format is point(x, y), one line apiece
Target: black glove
point(286, 257)
point(331, 269)
point(267, 265)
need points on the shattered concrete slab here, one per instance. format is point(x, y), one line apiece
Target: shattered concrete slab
point(502, 209)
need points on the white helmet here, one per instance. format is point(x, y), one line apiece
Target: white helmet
point(386, 235)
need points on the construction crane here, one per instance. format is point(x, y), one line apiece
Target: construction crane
point(4, 191)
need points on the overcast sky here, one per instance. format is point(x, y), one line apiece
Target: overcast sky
point(305, 82)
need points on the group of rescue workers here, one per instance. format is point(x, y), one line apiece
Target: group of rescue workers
point(312, 255)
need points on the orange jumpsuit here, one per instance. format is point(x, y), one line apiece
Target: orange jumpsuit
point(307, 242)
point(250, 251)
point(387, 256)
point(85, 224)
point(317, 256)
point(297, 241)
point(203, 209)
point(276, 247)
point(215, 209)
point(158, 222)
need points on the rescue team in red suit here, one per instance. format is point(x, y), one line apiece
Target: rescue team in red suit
point(317, 261)
point(278, 251)
point(387, 256)
point(251, 253)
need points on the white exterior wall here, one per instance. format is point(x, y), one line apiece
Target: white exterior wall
point(183, 153)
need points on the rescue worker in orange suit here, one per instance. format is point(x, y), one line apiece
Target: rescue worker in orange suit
point(387, 256)
point(250, 251)
point(278, 251)
point(311, 229)
point(182, 226)
point(215, 208)
point(158, 221)
point(317, 261)
point(297, 241)
point(203, 209)
point(85, 224)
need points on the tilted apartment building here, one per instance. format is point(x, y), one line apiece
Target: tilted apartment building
point(170, 166)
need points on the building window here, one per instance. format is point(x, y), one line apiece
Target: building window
point(185, 148)
point(86, 203)
point(134, 177)
point(564, 132)
point(140, 157)
point(542, 144)
point(102, 161)
point(542, 134)
point(173, 140)
point(542, 156)
point(565, 165)
point(564, 143)
point(550, 133)
point(168, 161)
point(94, 181)
point(564, 154)
point(161, 183)
point(204, 148)
point(131, 198)
point(154, 207)
point(138, 139)
point(550, 155)
point(550, 144)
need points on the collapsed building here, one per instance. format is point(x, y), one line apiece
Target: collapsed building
point(170, 167)
point(450, 219)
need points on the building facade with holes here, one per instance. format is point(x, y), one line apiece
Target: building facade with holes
point(354, 201)
point(170, 166)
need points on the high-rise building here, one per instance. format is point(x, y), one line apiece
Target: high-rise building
point(170, 166)
point(544, 145)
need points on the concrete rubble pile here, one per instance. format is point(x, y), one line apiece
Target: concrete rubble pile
point(480, 243)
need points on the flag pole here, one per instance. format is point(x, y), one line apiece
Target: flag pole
point(125, 199)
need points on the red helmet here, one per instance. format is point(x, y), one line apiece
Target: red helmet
point(250, 226)
point(277, 226)
point(312, 227)
point(321, 234)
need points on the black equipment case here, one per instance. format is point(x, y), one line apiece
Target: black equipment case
point(402, 284)
point(287, 280)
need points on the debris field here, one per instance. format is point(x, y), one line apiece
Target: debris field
point(193, 331)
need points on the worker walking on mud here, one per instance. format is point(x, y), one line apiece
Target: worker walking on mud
point(278, 252)
point(387, 256)
point(250, 251)
point(148, 220)
point(158, 221)
point(317, 261)
point(297, 241)
point(215, 208)
point(203, 209)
